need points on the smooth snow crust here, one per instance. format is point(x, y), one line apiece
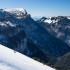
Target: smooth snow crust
point(9, 60)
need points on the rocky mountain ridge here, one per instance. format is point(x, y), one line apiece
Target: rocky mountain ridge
point(20, 32)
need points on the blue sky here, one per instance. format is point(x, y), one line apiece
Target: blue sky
point(40, 7)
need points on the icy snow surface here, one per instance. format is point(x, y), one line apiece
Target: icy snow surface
point(9, 60)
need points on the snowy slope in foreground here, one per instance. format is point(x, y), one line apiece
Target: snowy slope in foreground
point(16, 61)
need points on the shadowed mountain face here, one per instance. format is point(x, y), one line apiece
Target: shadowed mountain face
point(20, 32)
point(59, 27)
point(63, 62)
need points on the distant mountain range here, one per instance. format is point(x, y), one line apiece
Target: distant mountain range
point(47, 38)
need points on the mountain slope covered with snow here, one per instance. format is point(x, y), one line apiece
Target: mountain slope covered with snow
point(16, 61)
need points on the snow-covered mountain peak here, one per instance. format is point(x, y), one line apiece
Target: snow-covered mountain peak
point(50, 20)
point(15, 10)
point(54, 19)
point(18, 13)
point(68, 17)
